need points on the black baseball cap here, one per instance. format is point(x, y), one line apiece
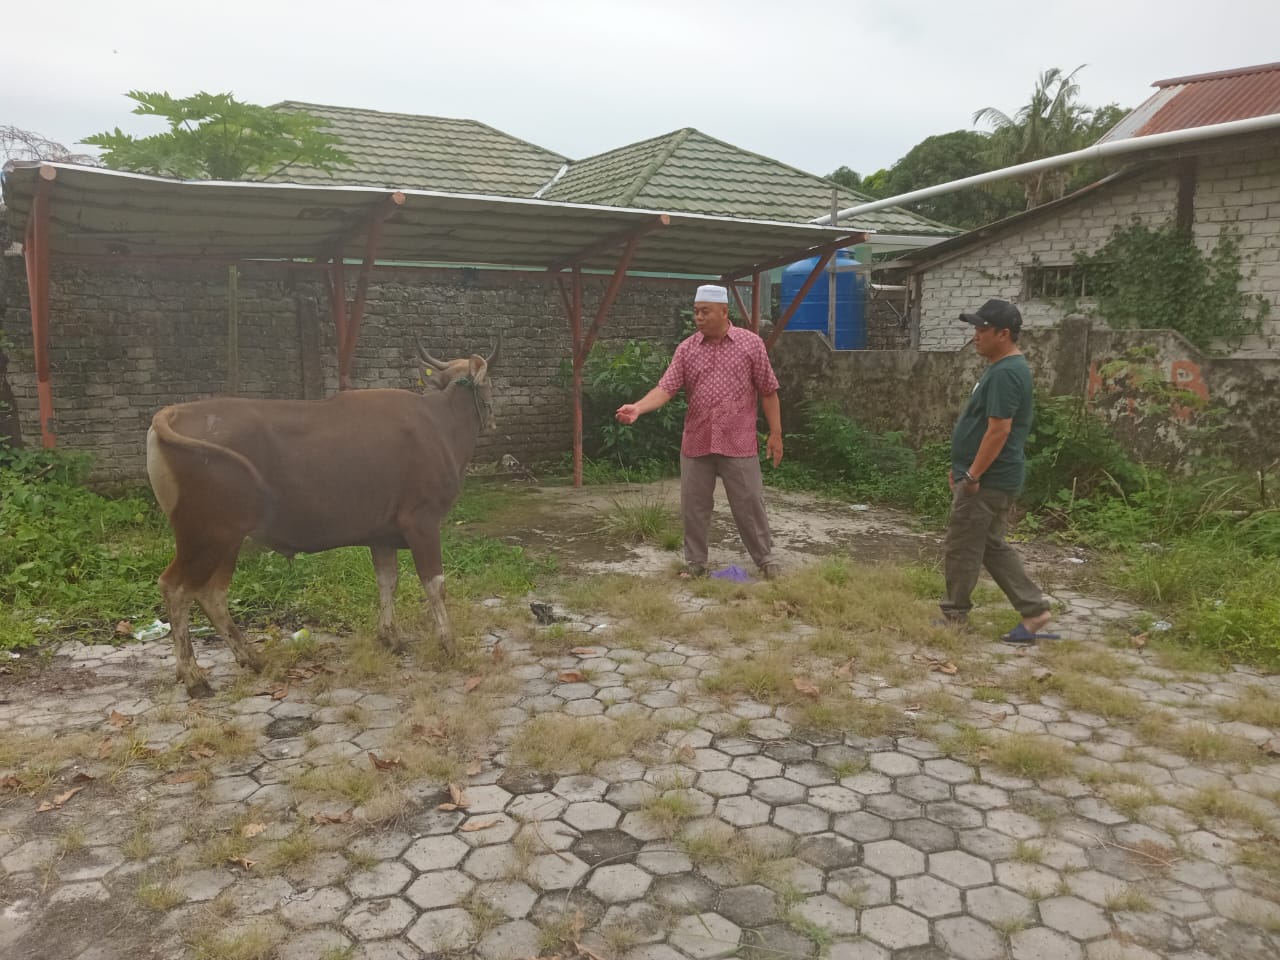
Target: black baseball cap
point(995, 313)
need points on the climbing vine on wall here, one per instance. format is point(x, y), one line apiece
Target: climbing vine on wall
point(1157, 277)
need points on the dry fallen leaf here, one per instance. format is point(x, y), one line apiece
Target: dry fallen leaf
point(1139, 640)
point(118, 719)
point(683, 754)
point(498, 655)
point(589, 954)
point(280, 692)
point(201, 753)
point(244, 862)
point(584, 651)
point(57, 802)
point(806, 687)
point(471, 826)
point(10, 782)
point(252, 829)
point(382, 764)
point(571, 676)
point(300, 673)
point(471, 684)
point(83, 777)
point(432, 734)
point(321, 818)
point(104, 749)
point(124, 628)
point(186, 776)
point(845, 669)
point(946, 667)
point(476, 766)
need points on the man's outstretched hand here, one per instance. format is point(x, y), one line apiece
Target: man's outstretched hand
point(628, 413)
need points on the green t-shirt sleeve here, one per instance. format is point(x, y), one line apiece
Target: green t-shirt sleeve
point(1005, 394)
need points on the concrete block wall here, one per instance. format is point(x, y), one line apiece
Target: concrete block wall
point(1240, 187)
point(127, 340)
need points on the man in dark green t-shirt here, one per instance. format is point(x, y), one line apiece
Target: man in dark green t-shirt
point(988, 466)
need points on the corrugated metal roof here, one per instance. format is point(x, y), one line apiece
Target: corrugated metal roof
point(408, 151)
point(691, 171)
point(1183, 103)
point(94, 211)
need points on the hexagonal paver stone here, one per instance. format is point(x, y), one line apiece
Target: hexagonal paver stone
point(440, 888)
point(312, 908)
point(928, 896)
point(777, 791)
point(486, 829)
point(375, 919)
point(439, 931)
point(308, 946)
point(1031, 879)
point(998, 906)
point(1041, 943)
point(925, 835)
point(92, 864)
point(707, 759)
point(29, 855)
point(610, 846)
point(742, 811)
point(828, 852)
point(488, 798)
point(829, 913)
point(643, 827)
point(893, 764)
point(638, 922)
point(893, 806)
point(631, 795)
point(958, 815)
point(580, 788)
point(923, 788)
point(775, 942)
point(835, 799)
point(809, 774)
point(968, 939)
point(537, 806)
point(592, 815)
point(723, 783)
point(756, 767)
point(988, 844)
point(619, 883)
point(491, 863)
point(893, 858)
point(381, 880)
point(863, 827)
point(1076, 917)
point(948, 770)
point(1017, 825)
point(749, 906)
point(436, 853)
point(705, 936)
point(894, 927)
point(511, 898)
point(203, 884)
point(686, 893)
point(859, 887)
point(961, 869)
point(510, 941)
point(80, 892)
point(801, 818)
point(982, 796)
point(553, 871)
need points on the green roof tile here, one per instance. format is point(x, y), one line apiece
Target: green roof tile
point(690, 172)
point(401, 150)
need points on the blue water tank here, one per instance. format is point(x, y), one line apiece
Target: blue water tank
point(851, 302)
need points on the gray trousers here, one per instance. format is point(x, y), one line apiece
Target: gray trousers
point(975, 539)
point(744, 488)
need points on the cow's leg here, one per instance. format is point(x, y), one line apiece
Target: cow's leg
point(177, 599)
point(424, 542)
point(387, 571)
point(212, 598)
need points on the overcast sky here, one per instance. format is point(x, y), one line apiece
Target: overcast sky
point(815, 85)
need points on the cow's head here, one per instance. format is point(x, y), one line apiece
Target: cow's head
point(472, 371)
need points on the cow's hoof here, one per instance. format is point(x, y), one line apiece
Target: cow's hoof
point(200, 690)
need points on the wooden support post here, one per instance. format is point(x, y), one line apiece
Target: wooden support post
point(338, 306)
point(799, 297)
point(233, 330)
point(36, 254)
point(575, 329)
point(737, 299)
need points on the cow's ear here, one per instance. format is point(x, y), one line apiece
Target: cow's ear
point(478, 370)
point(428, 377)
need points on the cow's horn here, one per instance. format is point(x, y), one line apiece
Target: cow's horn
point(427, 358)
point(497, 347)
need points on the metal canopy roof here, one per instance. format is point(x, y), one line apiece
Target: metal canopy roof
point(99, 212)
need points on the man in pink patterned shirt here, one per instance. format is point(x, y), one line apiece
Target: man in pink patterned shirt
point(722, 369)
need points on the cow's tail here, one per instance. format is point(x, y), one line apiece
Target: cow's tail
point(164, 483)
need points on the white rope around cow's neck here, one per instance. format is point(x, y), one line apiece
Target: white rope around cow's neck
point(480, 402)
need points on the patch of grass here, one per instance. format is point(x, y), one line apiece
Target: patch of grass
point(940, 705)
point(1263, 855)
point(766, 678)
point(1130, 799)
point(1089, 696)
point(1011, 925)
point(140, 845)
point(643, 518)
point(815, 933)
point(1027, 852)
point(990, 695)
point(623, 598)
point(356, 785)
point(293, 849)
point(159, 894)
point(1028, 755)
point(840, 711)
point(1196, 741)
point(669, 810)
point(560, 932)
point(556, 743)
point(751, 862)
point(226, 739)
point(967, 743)
point(1221, 803)
point(257, 942)
point(71, 840)
point(1131, 900)
point(1256, 705)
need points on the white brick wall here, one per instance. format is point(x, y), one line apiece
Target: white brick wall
point(1240, 187)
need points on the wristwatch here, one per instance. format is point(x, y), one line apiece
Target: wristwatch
point(966, 477)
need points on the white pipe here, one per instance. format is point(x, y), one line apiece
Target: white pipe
point(1094, 152)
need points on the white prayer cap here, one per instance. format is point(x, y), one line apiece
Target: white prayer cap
point(710, 293)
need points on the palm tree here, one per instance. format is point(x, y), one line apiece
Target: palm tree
point(1052, 122)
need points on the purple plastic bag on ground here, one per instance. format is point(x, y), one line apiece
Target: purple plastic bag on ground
point(732, 572)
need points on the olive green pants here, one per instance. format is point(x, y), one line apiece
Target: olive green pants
point(744, 489)
point(975, 539)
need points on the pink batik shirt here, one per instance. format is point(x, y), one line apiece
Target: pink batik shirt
point(722, 381)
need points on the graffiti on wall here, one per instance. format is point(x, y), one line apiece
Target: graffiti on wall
point(1179, 383)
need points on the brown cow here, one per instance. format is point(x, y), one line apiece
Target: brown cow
point(375, 468)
